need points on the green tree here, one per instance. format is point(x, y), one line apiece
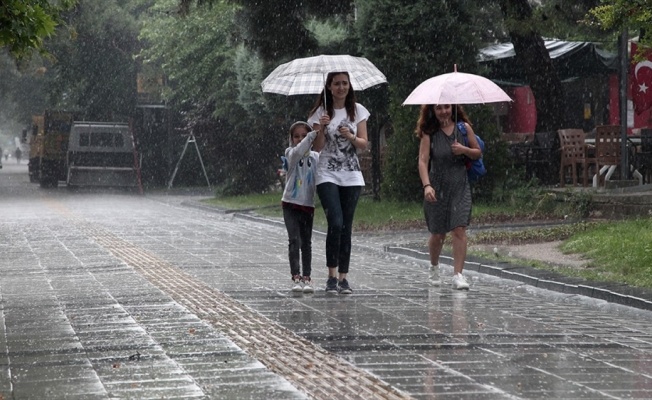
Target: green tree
point(214, 83)
point(21, 90)
point(196, 53)
point(25, 24)
point(619, 14)
point(93, 71)
point(563, 20)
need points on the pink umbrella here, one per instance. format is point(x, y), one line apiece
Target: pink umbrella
point(457, 88)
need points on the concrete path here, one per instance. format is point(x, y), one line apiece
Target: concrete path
point(111, 295)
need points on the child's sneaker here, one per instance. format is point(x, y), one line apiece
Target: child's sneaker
point(331, 285)
point(460, 283)
point(296, 284)
point(307, 285)
point(434, 279)
point(343, 287)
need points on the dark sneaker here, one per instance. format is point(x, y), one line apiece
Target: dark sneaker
point(343, 287)
point(331, 285)
point(297, 284)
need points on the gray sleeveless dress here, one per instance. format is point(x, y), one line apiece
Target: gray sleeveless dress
point(449, 178)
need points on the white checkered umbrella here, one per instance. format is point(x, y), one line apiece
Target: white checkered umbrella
point(308, 75)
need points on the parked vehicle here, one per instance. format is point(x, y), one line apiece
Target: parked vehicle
point(52, 148)
point(36, 148)
point(81, 153)
point(101, 154)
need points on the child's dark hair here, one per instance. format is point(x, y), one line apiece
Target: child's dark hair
point(296, 125)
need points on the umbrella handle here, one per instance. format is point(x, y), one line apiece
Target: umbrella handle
point(324, 86)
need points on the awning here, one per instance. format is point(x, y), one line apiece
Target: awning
point(572, 60)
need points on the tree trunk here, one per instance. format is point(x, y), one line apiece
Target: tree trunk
point(533, 57)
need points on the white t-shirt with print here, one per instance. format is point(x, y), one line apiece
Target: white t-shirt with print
point(338, 160)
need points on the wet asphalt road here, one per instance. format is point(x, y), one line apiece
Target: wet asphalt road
point(106, 294)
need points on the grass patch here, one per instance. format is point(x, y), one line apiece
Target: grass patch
point(370, 215)
point(622, 251)
point(572, 272)
point(247, 202)
point(373, 215)
point(532, 235)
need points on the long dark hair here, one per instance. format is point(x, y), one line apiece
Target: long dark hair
point(349, 101)
point(427, 124)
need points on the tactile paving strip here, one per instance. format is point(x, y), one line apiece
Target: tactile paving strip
point(308, 367)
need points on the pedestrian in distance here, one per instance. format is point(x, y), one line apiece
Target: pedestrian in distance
point(446, 187)
point(342, 126)
point(18, 153)
point(299, 203)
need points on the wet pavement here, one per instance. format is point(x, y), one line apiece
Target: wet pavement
point(112, 295)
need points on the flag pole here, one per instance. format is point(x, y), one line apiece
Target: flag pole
point(623, 47)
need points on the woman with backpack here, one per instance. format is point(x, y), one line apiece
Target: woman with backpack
point(443, 159)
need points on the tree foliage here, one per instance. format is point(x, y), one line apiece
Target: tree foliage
point(196, 53)
point(214, 81)
point(21, 86)
point(564, 20)
point(93, 71)
point(619, 14)
point(25, 24)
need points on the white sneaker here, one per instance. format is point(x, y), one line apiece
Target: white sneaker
point(460, 283)
point(434, 279)
point(307, 285)
point(296, 284)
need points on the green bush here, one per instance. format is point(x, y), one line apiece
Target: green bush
point(401, 180)
point(500, 171)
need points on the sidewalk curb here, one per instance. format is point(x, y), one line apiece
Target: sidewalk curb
point(550, 280)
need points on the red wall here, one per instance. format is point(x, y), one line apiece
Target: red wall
point(522, 115)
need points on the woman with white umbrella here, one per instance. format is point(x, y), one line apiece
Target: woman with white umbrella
point(342, 126)
point(446, 187)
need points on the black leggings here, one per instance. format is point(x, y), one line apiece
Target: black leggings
point(339, 203)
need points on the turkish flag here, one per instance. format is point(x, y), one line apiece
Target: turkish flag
point(640, 78)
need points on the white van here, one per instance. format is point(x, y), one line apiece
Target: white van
point(101, 154)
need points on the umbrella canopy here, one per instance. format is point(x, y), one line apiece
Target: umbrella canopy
point(308, 75)
point(457, 88)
